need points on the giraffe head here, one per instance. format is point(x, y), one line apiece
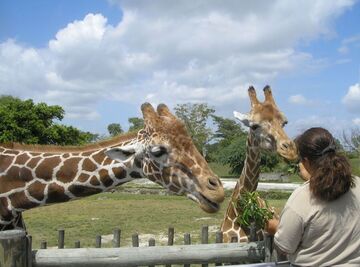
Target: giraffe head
point(267, 122)
point(165, 153)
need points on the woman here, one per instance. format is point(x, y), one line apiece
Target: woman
point(320, 223)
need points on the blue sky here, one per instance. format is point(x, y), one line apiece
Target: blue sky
point(101, 59)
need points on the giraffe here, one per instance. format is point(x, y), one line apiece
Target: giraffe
point(37, 175)
point(265, 122)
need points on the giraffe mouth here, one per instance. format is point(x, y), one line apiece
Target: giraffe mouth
point(205, 203)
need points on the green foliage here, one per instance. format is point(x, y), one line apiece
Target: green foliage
point(114, 129)
point(195, 117)
point(227, 130)
point(234, 154)
point(136, 124)
point(268, 161)
point(26, 122)
point(250, 211)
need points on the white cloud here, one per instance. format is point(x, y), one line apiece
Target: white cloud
point(356, 121)
point(298, 100)
point(347, 43)
point(352, 98)
point(165, 52)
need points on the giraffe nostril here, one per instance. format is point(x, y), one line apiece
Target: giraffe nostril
point(213, 183)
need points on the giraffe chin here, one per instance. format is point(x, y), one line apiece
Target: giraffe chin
point(205, 204)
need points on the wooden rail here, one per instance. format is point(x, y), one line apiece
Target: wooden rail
point(161, 255)
point(16, 250)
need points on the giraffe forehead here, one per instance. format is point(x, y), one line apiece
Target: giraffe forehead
point(267, 112)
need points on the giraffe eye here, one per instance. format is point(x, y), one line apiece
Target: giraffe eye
point(158, 151)
point(254, 127)
point(284, 123)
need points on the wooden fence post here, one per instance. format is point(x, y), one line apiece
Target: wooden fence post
point(253, 235)
point(205, 238)
point(219, 239)
point(98, 241)
point(117, 236)
point(29, 251)
point(77, 244)
point(187, 241)
point(268, 241)
point(43, 245)
point(151, 244)
point(14, 248)
point(61, 240)
point(171, 233)
point(135, 240)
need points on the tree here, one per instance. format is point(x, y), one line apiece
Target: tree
point(26, 122)
point(114, 129)
point(351, 140)
point(136, 124)
point(195, 117)
point(227, 129)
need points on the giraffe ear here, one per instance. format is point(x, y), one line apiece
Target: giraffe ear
point(125, 153)
point(149, 114)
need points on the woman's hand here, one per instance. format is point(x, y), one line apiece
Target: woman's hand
point(271, 226)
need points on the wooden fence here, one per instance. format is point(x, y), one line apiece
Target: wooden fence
point(16, 250)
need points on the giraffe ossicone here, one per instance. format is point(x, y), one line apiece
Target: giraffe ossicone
point(37, 175)
point(265, 122)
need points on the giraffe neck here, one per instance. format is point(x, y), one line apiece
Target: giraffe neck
point(31, 179)
point(247, 181)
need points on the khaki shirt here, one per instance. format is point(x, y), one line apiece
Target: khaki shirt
point(319, 233)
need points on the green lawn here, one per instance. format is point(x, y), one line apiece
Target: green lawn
point(100, 214)
point(221, 170)
point(355, 165)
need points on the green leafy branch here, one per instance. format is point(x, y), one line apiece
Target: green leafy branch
point(250, 210)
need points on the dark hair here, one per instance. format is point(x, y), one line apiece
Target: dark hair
point(331, 177)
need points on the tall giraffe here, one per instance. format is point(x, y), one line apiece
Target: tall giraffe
point(265, 122)
point(35, 175)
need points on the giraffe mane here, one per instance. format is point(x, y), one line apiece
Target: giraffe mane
point(57, 148)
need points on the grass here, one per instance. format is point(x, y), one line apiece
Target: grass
point(355, 165)
point(222, 170)
point(100, 214)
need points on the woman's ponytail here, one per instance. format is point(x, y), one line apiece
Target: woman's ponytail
point(331, 171)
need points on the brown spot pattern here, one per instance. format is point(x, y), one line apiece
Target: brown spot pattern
point(45, 169)
point(69, 170)
point(5, 162)
point(83, 191)
point(119, 173)
point(4, 212)
point(105, 179)
point(19, 200)
point(22, 159)
point(83, 177)
point(88, 165)
point(94, 181)
point(56, 193)
point(36, 190)
point(33, 162)
point(99, 157)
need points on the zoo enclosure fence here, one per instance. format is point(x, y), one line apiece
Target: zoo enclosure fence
point(16, 250)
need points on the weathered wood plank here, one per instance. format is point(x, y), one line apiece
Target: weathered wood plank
point(117, 237)
point(205, 238)
point(98, 241)
point(13, 248)
point(61, 240)
point(133, 256)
